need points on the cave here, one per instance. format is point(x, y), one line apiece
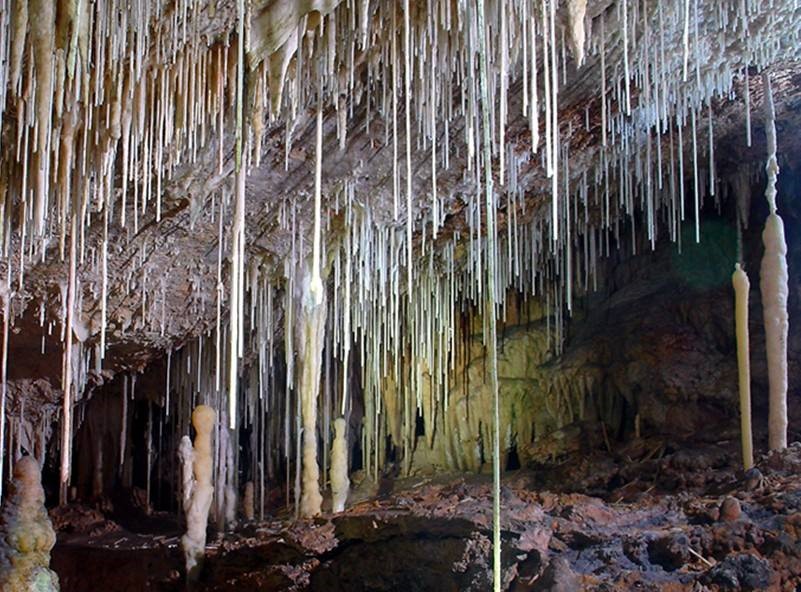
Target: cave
point(400, 295)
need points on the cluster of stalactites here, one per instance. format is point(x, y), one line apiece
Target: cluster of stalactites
point(114, 99)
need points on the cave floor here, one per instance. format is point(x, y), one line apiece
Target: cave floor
point(655, 516)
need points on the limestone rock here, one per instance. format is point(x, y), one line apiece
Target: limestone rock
point(741, 572)
point(730, 509)
point(26, 534)
point(557, 577)
point(671, 551)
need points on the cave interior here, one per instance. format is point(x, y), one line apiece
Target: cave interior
point(401, 295)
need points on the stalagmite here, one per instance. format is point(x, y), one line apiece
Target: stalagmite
point(773, 286)
point(248, 506)
point(186, 458)
point(97, 470)
point(340, 483)
point(229, 491)
point(67, 372)
point(310, 349)
point(26, 534)
point(741, 287)
point(193, 542)
point(138, 105)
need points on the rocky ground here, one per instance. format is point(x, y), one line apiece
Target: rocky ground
point(652, 516)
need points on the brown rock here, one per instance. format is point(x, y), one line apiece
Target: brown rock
point(730, 509)
point(671, 551)
point(557, 577)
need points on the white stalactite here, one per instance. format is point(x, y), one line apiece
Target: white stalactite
point(316, 287)
point(576, 11)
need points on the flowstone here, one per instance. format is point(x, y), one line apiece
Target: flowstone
point(26, 534)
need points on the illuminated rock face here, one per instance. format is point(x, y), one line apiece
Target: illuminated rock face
point(656, 342)
point(26, 534)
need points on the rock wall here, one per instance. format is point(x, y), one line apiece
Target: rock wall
point(652, 350)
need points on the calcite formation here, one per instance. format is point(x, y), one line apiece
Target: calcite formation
point(773, 284)
point(248, 501)
point(194, 541)
point(340, 484)
point(26, 534)
point(311, 346)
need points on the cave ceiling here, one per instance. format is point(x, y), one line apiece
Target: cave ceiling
point(139, 120)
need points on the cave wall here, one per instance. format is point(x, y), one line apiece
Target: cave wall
point(653, 345)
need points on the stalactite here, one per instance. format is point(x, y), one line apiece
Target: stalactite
point(131, 97)
point(67, 371)
point(19, 31)
point(490, 309)
point(43, 22)
point(236, 304)
point(407, 95)
point(316, 287)
point(577, 11)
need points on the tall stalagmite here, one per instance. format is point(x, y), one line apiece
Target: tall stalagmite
point(310, 349)
point(773, 285)
point(194, 541)
point(741, 286)
point(26, 534)
point(340, 483)
point(186, 456)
